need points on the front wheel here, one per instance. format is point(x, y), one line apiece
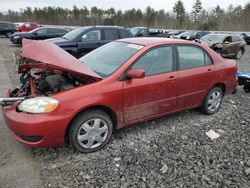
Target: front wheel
point(90, 131)
point(212, 102)
point(8, 34)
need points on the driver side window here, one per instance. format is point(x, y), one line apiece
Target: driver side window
point(156, 61)
point(93, 35)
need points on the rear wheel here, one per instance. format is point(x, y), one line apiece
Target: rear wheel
point(246, 89)
point(239, 54)
point(212, 102)
point(8, 34)
point(90, 131)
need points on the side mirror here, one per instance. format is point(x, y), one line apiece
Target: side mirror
point(136, 73)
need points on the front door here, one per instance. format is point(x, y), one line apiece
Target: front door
point(156, 93)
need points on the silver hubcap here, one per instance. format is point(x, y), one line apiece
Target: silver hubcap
point(92, 133)
point(239, 54)
point(214, 101)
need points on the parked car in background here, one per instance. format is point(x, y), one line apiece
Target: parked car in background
point(192, 35)
point(146, 32)
point(63, 99)
point(83, 40)
point(246, 37)
point(7, 29)
point(27, 26)
point(226, 45)
point(38, 34)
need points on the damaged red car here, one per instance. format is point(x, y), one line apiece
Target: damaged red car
point(65, 100)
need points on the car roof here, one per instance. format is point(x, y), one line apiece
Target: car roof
point(6, 22)
point(106, 26)
point(145, 41)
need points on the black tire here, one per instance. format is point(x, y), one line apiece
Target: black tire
point(8, 34)
point(246, 89)
point(83, 118)
point(239, 54)
point(205, 108)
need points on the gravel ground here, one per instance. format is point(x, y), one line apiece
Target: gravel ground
point(172, 151)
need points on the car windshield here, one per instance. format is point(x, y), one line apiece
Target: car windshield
point(108, 58)
point(74, 33)
point(134, 30)
point(213, 38)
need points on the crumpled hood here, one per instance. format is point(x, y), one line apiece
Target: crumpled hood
point(52, 56)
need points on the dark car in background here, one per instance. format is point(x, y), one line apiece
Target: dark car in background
point(246, 37)
point(192, 35)
point(146, 32)
point(7, 29)
point(83, 40)
point(226, 45)
point(38, 34)
point(27, 26)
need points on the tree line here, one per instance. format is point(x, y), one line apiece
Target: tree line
point(232, 19)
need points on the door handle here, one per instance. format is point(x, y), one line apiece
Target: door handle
point(171, 78)
point(209, 70)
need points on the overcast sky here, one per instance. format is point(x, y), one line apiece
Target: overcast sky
point(117, 4)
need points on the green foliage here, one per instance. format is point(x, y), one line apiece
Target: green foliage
point(211, 25)
point(197, 11)
point(180, 12)
point(234, 18)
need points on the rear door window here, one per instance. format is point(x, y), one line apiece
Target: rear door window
point(111, 34)
point(191, 57)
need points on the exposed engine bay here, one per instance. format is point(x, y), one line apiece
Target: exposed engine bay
point(33, 83)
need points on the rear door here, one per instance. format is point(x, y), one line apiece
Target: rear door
point(236, 44)
point(89, 41)
point(52, 33)
point(195, 75)
point(156, 93)
point(227, 46)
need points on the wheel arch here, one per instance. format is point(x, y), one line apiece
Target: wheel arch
point(104, 108)
point(222, 86)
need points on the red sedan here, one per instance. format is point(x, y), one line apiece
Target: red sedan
point(119, 84)
point(27, 26)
